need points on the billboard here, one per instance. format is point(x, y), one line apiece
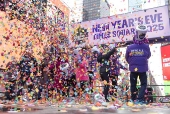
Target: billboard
point(121, 28)
point(165, 54)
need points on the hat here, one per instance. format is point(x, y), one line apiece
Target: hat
point(104, 45)
point(111, 46)
point(95, 49)
point(81, 45)
point(76, 51)
point(141, 31)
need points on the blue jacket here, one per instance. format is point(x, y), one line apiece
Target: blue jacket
point(137, 56)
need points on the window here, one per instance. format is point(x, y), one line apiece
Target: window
point(2, 5)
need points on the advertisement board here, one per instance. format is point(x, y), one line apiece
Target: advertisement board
point(165, 54)
point(120, 28)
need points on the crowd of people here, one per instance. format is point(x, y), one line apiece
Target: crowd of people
point(60, 74)
point(65, 73)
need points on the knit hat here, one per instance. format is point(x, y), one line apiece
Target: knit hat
point(141, 31)
point(140, 37)
point(95, 49)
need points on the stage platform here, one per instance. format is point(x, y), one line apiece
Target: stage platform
point(90, 109)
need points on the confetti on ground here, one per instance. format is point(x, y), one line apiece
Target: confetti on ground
point(40, 67)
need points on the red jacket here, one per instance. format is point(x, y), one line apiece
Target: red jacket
point(81, 71)
point(58, 83)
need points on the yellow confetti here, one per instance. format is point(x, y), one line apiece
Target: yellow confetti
point(36, 90)
point(105, 82)
point(136, 69)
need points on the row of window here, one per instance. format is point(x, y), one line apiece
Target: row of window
point(91, 1)
point(91, 11)
point(87, 18)
point(2, 5)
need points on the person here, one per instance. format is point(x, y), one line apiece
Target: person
point(64, 67)
point(45, 70)
point(93, 65)
point(55, 67)
point(104, 70)
point(27, 67)
point(71, 74)
point(137, 55)
point(115, 72)
point(12, 72)
point(82, 77)
point(12, 69)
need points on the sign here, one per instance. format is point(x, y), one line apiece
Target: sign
point(121, 28)
point(165, 61)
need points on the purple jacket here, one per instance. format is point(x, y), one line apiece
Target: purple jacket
point(137, 57)
point(116, 66)
point(93, 64)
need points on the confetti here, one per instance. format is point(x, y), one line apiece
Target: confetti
point(48, 77)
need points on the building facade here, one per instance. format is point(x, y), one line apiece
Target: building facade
point(136, 5)
point(34, 23)
point(94, 9)
point(58, 20)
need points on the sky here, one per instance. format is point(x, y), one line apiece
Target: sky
point(117, 6)
point(76, 6)
point(76, 9)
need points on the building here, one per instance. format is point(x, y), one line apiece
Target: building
point(136, 5)
point(94, 9)
point(58, 20)
point(168, 2)
point(31, 23)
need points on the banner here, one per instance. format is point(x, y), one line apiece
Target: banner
point(121, 28)
point(165, 54)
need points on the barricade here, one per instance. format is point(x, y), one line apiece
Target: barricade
point(151, 97)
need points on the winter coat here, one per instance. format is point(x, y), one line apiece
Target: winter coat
point(81, 71)
point(137, 56)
